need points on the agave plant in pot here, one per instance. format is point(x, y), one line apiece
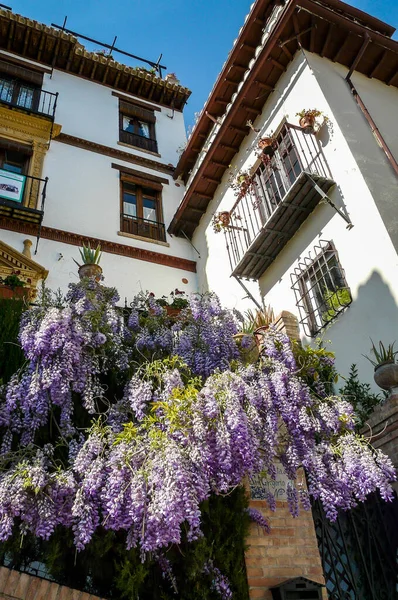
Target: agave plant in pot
point(246, 341)
point(386, 369)
point(90, 258)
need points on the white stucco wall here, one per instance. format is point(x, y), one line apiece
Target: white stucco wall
point(366, 251)
point(128, 275)
point(83, 191)
point(88, 110)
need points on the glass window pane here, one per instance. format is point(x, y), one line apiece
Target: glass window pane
point(149, 209)
point(6, 89)
point(143, 129)
point(25, 97)
point(129, 204)
point(128, 124)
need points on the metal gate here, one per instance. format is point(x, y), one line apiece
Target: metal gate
point(359, 552)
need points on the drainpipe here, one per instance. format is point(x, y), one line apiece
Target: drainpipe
point(380, 140)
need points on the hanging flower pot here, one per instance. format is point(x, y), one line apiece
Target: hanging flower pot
point(267, 145)
point(91, 271)
point(307, 124)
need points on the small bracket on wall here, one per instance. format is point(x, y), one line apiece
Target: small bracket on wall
point(326, 199)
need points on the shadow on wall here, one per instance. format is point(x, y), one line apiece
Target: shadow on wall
point(373, 314)
point(307, 235)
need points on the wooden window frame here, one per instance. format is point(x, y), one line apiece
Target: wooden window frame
point(138, 226)
point(138, 113)
point(17, 84)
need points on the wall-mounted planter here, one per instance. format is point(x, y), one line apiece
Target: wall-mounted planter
point(386, 376)
point(307, 124)
point(266, 144)
point(92, 271)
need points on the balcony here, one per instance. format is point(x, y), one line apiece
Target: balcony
point(285, 190)
point(139, 141)
point(15, 94)
point(19, 194)
point(146, 228)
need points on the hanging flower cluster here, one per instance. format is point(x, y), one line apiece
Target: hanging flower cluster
point(184, 420)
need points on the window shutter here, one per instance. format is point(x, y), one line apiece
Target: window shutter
point(132, 110)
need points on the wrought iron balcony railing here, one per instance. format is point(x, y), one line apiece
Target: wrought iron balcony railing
point(139, 141)
point(22, 197)
point(15, 94)
point(153, 230)
point(285, 189)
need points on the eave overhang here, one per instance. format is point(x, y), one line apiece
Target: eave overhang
point(60, 50)
point(331, 29)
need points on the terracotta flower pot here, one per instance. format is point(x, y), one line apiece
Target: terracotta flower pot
point(6, 292)
point(224, 218)
point(266, 144)
point(172, 311)
point(249, 353)
point(91, 271)
point(259, 334)
point(307, 124)
point(386, 375)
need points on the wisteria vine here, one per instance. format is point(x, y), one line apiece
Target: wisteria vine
point(185, 419)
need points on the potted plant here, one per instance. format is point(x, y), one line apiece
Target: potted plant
point(307, 119)
point(267, 145)
point(242, 182)
point(12, 287)
point(172, 78)
point(90, 267)
point(386, 369)
point(179, 301)
point(262, 318)
point(221, 220)
point(246, 341)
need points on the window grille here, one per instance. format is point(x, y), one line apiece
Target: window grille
point(320, 288)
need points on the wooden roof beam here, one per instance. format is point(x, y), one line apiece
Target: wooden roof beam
point(212, 179)
point(378, 63)
point(265, 86)
point(219, 164)
point(276, 63)
point(41, 44)
point(238, 66)
point(239, 129)
point(251, 109)
point(203, 195)
point(285, 50)
point(393, 76)
point(26, 41)
point(228, 147)
point(220, 100)
point(328, 39)
point(313, 34)
point(93, 70)
point(341, 49)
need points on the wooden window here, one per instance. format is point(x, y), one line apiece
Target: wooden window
point(137, 126)
point(19, 93)
point(141, 208)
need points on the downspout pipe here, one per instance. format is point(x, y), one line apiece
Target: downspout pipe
point(381, 141)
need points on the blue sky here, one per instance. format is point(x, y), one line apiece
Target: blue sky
point(194, 36)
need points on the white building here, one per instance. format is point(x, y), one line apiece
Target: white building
point(106, 137)
point(317, 232)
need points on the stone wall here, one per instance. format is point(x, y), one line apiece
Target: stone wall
point(20, 586)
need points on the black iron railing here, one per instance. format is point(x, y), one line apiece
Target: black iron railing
point(22, 197)
point(139, 141)
point(15, 95)
point(294, 154)
point(153, 230)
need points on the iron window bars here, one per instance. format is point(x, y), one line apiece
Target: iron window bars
point(320, 288)
point(18, 94)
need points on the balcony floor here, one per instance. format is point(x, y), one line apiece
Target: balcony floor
point(20, 212)
point(289, 215)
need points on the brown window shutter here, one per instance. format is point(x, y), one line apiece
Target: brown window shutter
point(131, 110)
point(15, 71)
